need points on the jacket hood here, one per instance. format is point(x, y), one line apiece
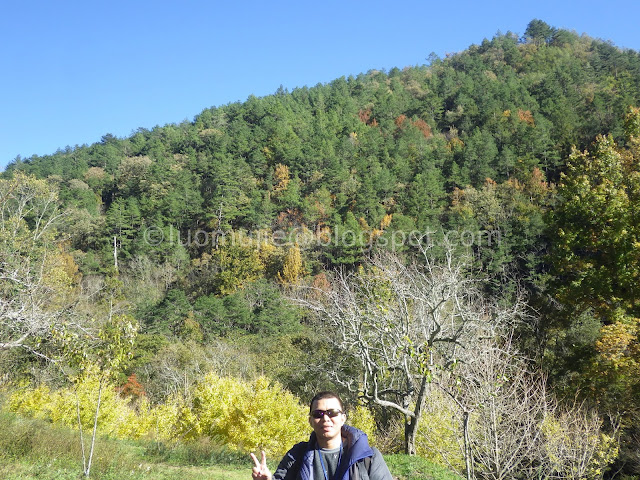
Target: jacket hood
point(355, 439)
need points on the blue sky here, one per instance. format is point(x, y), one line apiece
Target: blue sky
point(73, 71)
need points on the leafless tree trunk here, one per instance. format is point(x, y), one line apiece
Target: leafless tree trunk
point(87, 470)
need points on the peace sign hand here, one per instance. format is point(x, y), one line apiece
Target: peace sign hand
point(260, 470)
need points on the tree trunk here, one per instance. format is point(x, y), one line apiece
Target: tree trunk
point(410, 427)
point(467, 445)
point(84, 456)
point(411, 423)
point(115, 253)
point(95, 430)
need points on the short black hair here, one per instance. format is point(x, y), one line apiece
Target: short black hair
point(323, 395)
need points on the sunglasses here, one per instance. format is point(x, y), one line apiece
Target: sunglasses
point(331, 413)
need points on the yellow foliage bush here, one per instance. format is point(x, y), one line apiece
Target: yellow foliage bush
point(439, 432)
point(575, 447)
point(63, 406)
point(34, 403)
point(260, 415)
point(246, 416)
point(362, 418)
point(162, 422)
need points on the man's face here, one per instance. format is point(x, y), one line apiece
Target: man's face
point(326, 427)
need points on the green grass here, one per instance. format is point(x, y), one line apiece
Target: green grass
point(25, 469)
point(416, 468)
point(36, 449)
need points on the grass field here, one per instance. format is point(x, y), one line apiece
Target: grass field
point(35, 449)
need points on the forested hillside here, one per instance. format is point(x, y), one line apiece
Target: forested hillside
point(519, 154)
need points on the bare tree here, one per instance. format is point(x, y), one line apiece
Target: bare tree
point(504, 405)
point(512, 427)
point(574, 445)
point(177, 367)
point(402, 324)
point(31, 281)
point(400, 329)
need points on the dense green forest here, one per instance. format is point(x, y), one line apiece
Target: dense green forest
point(519, 155)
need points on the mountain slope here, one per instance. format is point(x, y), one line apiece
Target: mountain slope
point(383, 151)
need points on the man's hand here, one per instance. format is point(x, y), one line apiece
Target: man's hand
point(260, 470)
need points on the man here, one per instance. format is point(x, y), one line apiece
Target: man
point(335, 451)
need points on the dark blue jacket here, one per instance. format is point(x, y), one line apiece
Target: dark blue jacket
point(297, 464)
